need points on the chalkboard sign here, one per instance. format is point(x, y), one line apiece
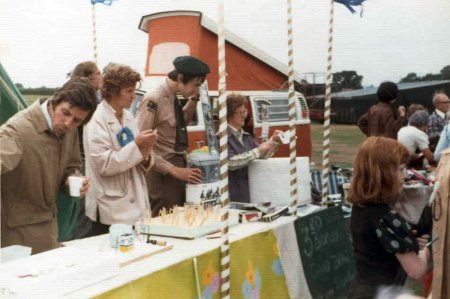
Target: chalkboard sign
point(326, 253)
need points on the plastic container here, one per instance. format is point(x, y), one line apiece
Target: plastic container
point(117, 230)
point(209, 189)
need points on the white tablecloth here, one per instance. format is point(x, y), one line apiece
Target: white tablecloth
point(186, 249)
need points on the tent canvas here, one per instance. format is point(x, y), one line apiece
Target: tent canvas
point(11, 101)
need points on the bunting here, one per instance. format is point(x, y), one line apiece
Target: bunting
point(106, 2)
point(351, 3)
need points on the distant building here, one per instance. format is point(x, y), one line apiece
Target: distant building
point(348, 106)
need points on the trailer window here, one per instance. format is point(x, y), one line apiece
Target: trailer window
point(278, 109)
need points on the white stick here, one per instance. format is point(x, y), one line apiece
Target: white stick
point(197, 280)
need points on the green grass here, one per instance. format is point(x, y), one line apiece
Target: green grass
point(31, 98)
point(344, 142)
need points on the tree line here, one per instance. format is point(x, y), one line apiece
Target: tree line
point(344, 79)
point(44, 91)
point(351, 79)
point(443, 75)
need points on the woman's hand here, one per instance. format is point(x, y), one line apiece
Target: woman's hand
point(145, 141)
point(265, 147)
point(276, 136)
point(423, 240)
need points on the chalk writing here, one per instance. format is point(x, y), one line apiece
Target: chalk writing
point(326, 253)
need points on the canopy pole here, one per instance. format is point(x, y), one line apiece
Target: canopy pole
point(326, 122)
point(291, 107)
point(94, 34)
point(223, 152)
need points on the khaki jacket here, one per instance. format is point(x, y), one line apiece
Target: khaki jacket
point(441, 228)
point(163, 119)
point(118, 188)
point(35, 164)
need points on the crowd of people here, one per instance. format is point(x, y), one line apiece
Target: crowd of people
point(386, 247)
point(133, 167)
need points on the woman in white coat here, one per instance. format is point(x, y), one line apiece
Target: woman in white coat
point(117, 155)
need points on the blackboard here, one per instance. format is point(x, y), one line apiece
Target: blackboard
point(326, 253)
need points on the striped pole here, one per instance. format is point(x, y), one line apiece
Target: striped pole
point(94, 33)
point(326, 122)
point(291, 106)
point(223, 152)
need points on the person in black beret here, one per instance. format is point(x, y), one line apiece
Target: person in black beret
point(162, 110)
point(381, 120)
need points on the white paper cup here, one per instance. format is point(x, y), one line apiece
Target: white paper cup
point(75, 184)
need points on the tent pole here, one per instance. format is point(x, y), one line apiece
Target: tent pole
point(223, 153)
point(326, 122)
point(291, 107)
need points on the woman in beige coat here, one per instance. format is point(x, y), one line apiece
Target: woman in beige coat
point(117, 155)
point(441, 227)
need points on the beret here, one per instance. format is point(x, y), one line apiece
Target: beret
point(387, 91)
point(419, 118)
point(191, 65)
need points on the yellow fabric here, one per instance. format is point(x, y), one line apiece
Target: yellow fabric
point(255, 273)
point(256, 270)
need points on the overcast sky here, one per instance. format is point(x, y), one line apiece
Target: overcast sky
point(42, 40)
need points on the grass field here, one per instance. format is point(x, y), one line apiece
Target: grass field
point(31, 98)
point(344, 142)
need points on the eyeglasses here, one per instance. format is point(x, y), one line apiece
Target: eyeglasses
point(242, 112)
point(446, 102)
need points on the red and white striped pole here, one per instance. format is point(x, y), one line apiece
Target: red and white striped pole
point(291, 107)
point(223, 152)
point(326, 123)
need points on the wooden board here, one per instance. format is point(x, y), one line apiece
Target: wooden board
point(140, 253)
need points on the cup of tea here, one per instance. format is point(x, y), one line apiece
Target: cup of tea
point(75, 184)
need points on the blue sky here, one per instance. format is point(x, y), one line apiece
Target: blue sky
point(40, 41)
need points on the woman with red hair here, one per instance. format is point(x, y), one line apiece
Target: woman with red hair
point(384, 248)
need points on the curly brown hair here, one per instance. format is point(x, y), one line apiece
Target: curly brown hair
point(118, 77)
point(375, 171)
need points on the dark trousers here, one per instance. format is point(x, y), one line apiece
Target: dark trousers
point(98, 228)
point(165, 191)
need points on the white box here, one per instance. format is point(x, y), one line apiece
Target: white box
point(270, 181)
